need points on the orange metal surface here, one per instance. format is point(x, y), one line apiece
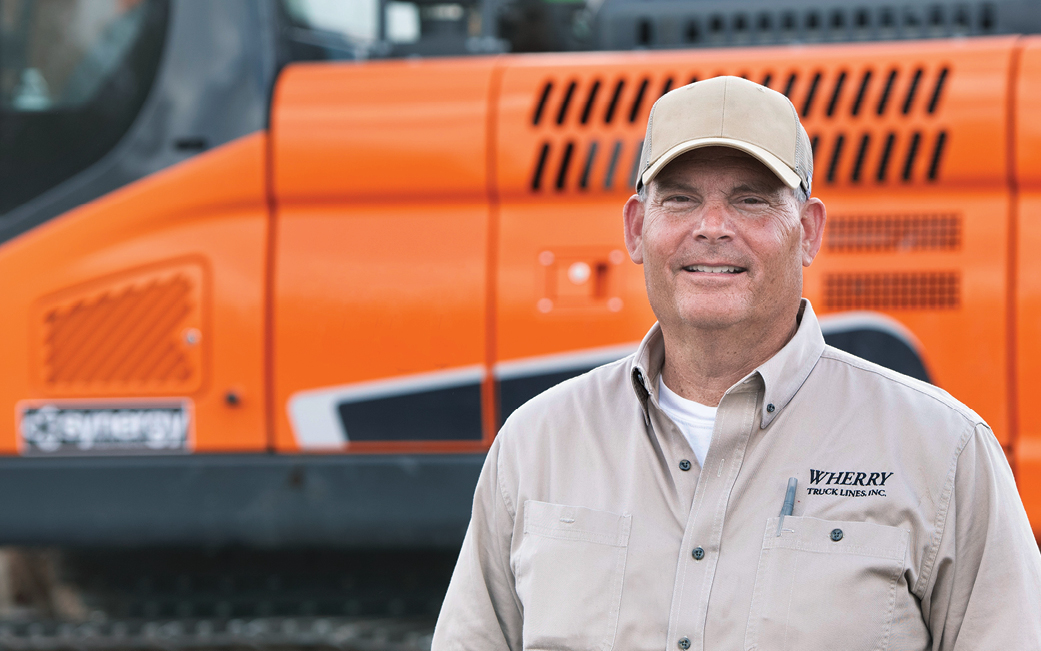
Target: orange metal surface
point(1028, 288)
point(115, 293)
point(382, 221)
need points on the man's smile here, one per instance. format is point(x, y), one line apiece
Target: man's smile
point(714, 269)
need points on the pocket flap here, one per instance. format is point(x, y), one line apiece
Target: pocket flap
point(815, 535)
point(576, 523)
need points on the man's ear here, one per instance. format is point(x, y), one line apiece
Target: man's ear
point(812, 217)
point(632, 215)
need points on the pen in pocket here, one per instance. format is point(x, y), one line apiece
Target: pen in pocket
point(789, 502)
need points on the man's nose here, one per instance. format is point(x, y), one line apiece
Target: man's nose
point(714, 223)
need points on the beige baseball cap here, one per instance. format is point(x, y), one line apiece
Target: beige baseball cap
point(728, 112)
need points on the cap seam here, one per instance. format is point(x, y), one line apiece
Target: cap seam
point(723, 112)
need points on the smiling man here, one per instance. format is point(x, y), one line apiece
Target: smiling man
point(736, 483)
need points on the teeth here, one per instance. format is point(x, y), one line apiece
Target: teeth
point(713, 270)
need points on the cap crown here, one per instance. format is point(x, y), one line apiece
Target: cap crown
point(727, 111)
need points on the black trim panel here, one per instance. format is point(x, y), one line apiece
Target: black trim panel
point(346, 501)
point(448, 414)
point(514, 392)
point(881, 348)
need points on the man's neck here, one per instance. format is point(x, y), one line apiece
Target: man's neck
point(701, 365)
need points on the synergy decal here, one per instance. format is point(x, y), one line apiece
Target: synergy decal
point(826, 482)
point(130, 427)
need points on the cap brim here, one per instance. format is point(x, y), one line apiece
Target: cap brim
point(776, 165)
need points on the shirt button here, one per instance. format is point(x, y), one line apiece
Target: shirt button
point(684, 643)
point(684, 465)
point(836, 534)
point(698, 553)
point(770, 407)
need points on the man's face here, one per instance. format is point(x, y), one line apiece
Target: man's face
point(723, 242)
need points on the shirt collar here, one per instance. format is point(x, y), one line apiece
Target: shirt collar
point(783, 374)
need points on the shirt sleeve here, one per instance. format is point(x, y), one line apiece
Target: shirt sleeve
point(481, 610)
point(986, 583)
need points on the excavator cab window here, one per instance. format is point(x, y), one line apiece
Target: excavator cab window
point(73, 76)
point(377, 29)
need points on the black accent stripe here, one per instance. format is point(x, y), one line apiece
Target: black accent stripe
point(444, 414)
point(618, 88)
point(638, 101)
point(883, 160)
point(912, 153)
point(858, 164)
point(612, 165)
point(911, 90)
point(536, 177)
point(882, 101)
point(546, 90)
point(934, 165)
point(590, 100)
point(836, 93)
point(566, 102)
point(590, 158)
point(864, 82)
point(836, 155)
point(810, 95)
point(790, 85)
point(565, 162)
point(935, 99)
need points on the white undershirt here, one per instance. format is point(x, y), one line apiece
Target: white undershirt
point(694, 419)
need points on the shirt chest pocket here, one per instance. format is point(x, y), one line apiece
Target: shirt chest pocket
point(825, 584)
point(569, 568)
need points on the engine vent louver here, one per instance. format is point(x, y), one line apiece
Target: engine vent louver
point(935, 290)
point(893, 233)
point(135, 337)
point(881, 152)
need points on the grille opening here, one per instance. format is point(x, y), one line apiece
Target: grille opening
point(546, 90)
point(835, 94)
point(961, 17)
point(934, 164)
point(883, 160)
point(590, 100)
point(893, 233)
point(812, 20)
point(836, 155)
point(910, 17)
point(858, 163)
point(885, 17)
point(790, 85)
point(935, 290)
point(912, 153)
point(715, 24)
point(565, 162)
point(862, 18)
point(612, 165)
point(618, 88)
point(884, 99)
point(666, 87)
point(540, 164)
point(693, 32)
point(936, 16)
point(911, 90)
point(765, 23)
point(810, 95)
point(583, 182)
point(740, 23)
point(636, 164)
point(634, 112)
point(644, 32)
point(788, 21)
point(838, 19)
point(987, 19)
point(864, 81)
point(566, 102)
point(767, 79)
point(938, 90)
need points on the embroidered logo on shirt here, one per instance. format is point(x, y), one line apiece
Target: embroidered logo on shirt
point(820, 478)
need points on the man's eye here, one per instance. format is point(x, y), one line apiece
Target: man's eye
point(752, 201)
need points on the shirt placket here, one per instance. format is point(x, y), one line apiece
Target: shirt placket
point(699, 552)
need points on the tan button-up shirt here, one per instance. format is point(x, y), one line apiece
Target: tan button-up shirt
point(907, 530)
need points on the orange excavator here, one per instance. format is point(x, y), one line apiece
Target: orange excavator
point(270, 283)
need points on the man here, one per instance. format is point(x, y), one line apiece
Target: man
point(637, 506)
